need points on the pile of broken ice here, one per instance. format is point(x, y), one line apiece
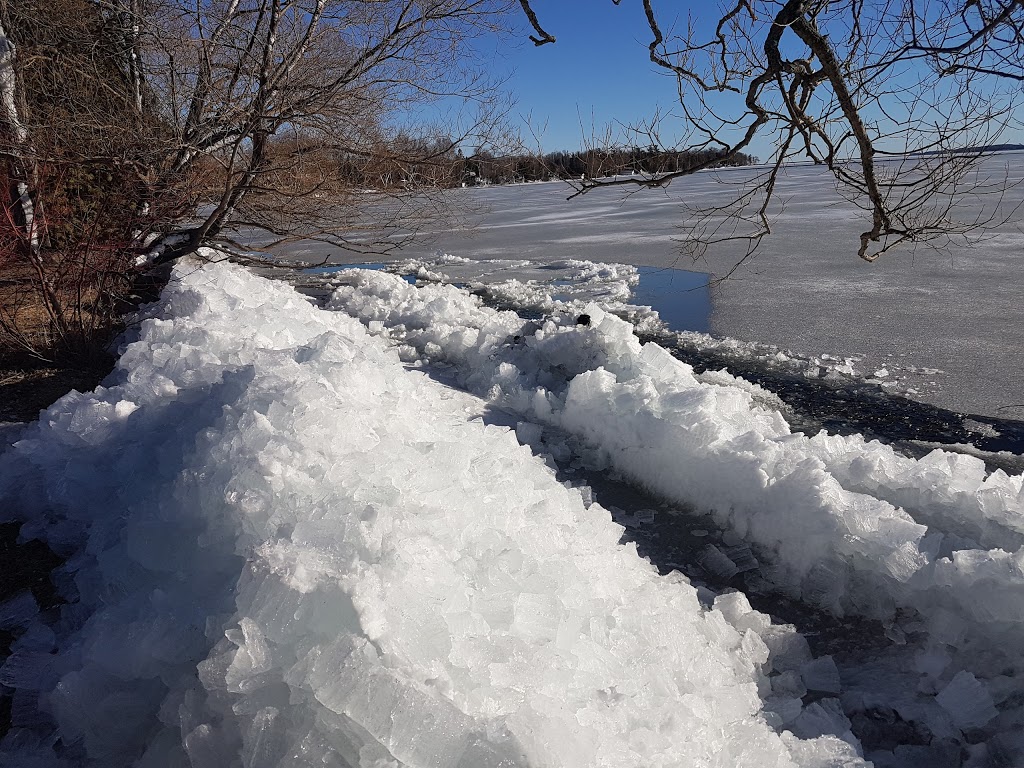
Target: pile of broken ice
point(288, 546)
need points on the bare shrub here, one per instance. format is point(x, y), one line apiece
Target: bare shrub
point(133, 131)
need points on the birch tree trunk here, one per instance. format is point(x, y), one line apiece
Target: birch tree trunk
point(14, 145)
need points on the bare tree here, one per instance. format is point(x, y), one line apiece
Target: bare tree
point(897, 98)
point(340, 76)
point(15, 137)
point(137, 130)
point(70, 143)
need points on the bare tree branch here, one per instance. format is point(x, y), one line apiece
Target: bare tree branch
point(544, 36)
point(887, 95)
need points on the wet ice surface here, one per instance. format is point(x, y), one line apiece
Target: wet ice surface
point(682, 298)
point(943, 327)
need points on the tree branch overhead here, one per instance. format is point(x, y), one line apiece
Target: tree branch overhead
point(896, 99)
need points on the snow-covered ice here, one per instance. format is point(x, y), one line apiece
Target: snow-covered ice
point(943, 323)
point(298, 536)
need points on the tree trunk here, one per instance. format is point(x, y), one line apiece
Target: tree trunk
point(18, 156)
point(14, 145)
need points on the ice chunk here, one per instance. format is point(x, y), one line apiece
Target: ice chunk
point(717, 564)
point(537, 616)
point(204, 748)
point(742, 557)
point(947, 627)
point(787, 708)
point(967, 701)
point(737, 611)
point(821, 675)
point(529, 433)
point(825, 584)
point(752, 647)
point(414, 726)
point(788, 648)
point(18, 611)
point(29, 670)
point(790, 684)
point(250, 661)
point(824, 752)
point(264, 740)
point(823, 717)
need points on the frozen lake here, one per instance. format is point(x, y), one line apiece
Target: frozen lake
point(947, 325)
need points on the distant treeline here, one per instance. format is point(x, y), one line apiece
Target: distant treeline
point(985, 149)
point(437, 163)
point(485, 168)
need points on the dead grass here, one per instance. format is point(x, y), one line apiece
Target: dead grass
point(27, 383)
point(80, 312)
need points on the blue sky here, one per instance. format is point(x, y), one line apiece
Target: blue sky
point(597, 73)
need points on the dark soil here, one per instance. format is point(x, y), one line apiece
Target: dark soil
point(26, 388)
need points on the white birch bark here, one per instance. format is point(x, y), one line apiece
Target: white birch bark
point(134, 61)
point(16, 133)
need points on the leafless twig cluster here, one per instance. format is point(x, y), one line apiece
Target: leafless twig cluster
point(897, 98)
point(145, 128)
